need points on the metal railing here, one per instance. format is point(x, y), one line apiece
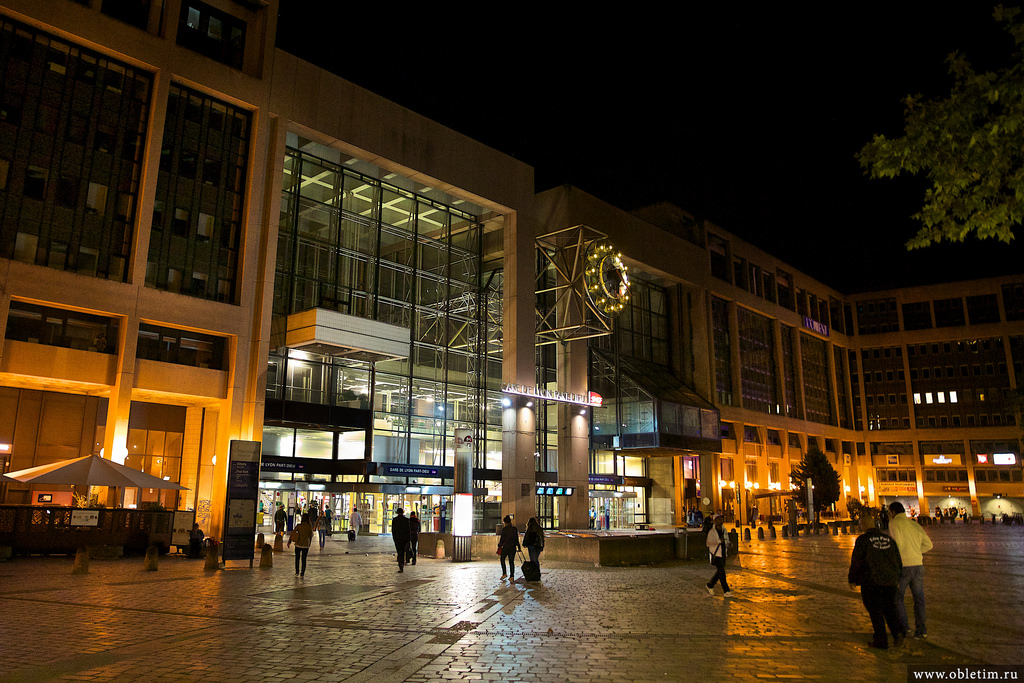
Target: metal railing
point(53, 530)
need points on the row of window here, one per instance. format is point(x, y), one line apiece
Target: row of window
point(981, 474)
point(68, 329)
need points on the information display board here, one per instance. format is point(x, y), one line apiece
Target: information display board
point(240, 502)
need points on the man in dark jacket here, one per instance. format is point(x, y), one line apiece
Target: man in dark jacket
point(280, 519)
point(400, 534)
point(876, 567)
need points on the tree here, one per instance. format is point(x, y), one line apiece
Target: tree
point(825, 480)
point(968, 146)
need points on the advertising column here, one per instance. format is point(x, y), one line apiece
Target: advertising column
point(240, 507)
point(462, 518)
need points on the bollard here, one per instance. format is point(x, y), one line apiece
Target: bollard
point(835, 530)
point(81, 561)
point(439, 549)
point(734, 540)
point(279, 543)
point(746, 534)
point(785, 531)
point(772, 534)
point(267, 556)
point(212, 559)
point(152, 558)
point(260, 540)
point(760, 533)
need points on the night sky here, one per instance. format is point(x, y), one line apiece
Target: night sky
point(749, 117)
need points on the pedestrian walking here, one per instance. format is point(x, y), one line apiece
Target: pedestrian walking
point(913, 542)
point(414, 537)
point(314, 513)
point(718, 544)
point(400, 534)
point(875, 566)
point(323, 525)
point(533, 540)
point(508, 545)
point(302, 537)
point(355, 522)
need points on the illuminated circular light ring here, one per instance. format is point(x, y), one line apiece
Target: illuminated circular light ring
point(606, 279)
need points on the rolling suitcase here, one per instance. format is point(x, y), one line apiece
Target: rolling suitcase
point(351, 534)
point(531, 570)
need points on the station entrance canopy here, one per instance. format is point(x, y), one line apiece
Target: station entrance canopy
point(330, 333)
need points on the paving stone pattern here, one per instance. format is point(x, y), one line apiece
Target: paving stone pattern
point(354, 618)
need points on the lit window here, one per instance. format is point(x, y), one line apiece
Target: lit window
point(952, 397)
point(942, 397)
point(917, 399)
point(981, 396)
point(928, 398)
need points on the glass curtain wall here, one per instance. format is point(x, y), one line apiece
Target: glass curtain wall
point(352, 243)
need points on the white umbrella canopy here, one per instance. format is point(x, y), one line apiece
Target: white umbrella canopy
point(91, 470)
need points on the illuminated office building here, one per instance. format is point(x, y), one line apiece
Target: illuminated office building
point(204, 238)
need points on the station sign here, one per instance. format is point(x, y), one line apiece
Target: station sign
point(589, 399)
point(386, 469)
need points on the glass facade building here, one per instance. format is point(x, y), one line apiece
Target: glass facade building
point(205, 240)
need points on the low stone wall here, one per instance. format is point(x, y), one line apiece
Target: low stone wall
point(617, 550)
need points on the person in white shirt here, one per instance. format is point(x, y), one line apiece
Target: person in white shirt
point(913, 542)
point(718, 543)
point(355, 521)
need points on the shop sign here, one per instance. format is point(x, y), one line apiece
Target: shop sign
point(956, 489)
point(885, 487)
point(815, 326)
point(634, 481)
point(1004, 459)
point(590, 399)
point(944, 459)
point(85, 518)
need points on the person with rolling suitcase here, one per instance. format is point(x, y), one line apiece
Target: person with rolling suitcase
point(355, 521)
point(533, 541)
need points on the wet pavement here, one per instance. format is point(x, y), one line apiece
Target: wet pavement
point(354, 618)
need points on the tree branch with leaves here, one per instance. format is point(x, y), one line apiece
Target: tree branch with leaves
point(968, 146)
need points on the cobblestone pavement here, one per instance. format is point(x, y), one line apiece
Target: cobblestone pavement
point(354, 618)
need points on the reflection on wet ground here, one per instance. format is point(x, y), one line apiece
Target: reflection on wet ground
point(354, 618)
